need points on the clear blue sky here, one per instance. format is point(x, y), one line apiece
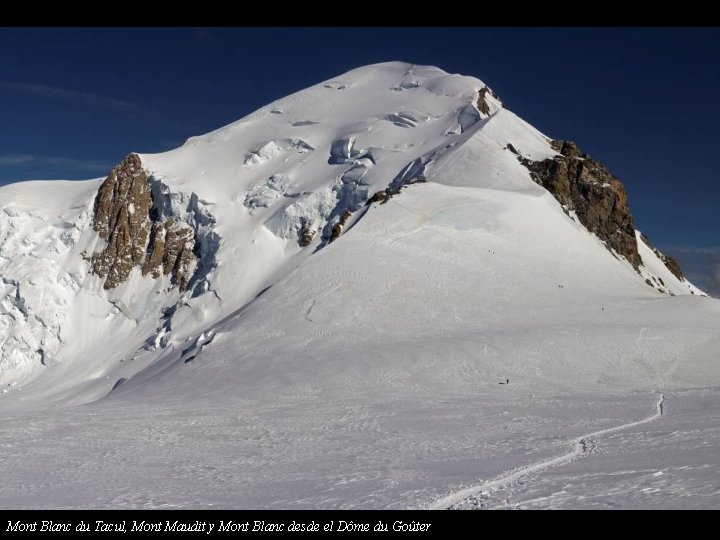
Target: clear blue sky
point(646, 102)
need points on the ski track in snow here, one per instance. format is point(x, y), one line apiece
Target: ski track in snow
point(581, 447)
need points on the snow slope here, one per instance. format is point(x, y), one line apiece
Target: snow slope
point(365, 370)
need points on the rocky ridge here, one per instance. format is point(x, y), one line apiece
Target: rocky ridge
point(586, 188)
point(126, 216)
point(670, 263)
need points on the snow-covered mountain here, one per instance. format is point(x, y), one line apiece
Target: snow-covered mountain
point(394, 231)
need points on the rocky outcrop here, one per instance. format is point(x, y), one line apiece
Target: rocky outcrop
point(170, 252)
point(381, 196)
point(120, 217)
point(307, 233)
point(481, 103)
point(673, 266)
point(178, 253)
point(338, 227)
point(137, 235)
point(586, 187)
point(669, 261)
point(395, 187)
point(155, 251)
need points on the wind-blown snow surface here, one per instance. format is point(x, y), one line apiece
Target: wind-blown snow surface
point(361, 374)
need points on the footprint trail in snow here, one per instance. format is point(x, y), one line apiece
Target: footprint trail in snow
point(581, 447)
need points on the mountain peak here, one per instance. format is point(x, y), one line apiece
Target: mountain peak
point(170, 244)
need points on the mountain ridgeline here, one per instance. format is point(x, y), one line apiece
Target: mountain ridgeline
point(167, 246)
point(125, 214)
point(585, 186)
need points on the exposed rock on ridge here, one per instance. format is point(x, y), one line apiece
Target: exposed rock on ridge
point(338, 228)
point(123, 216)
point(669, 261)
point(120, 217)
point(170, 252)
point(307, 233)
point(586, 187)
point(480, 103)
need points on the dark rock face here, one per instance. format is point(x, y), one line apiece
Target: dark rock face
point(338, 228)
point(381, 196)
point(178, 252)
point(156, 248)
point(307, 233)
point(170, 252)
point(481, 104)
point(122, 215)
point(598, 198)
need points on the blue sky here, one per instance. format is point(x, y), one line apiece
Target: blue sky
point(646, 102)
